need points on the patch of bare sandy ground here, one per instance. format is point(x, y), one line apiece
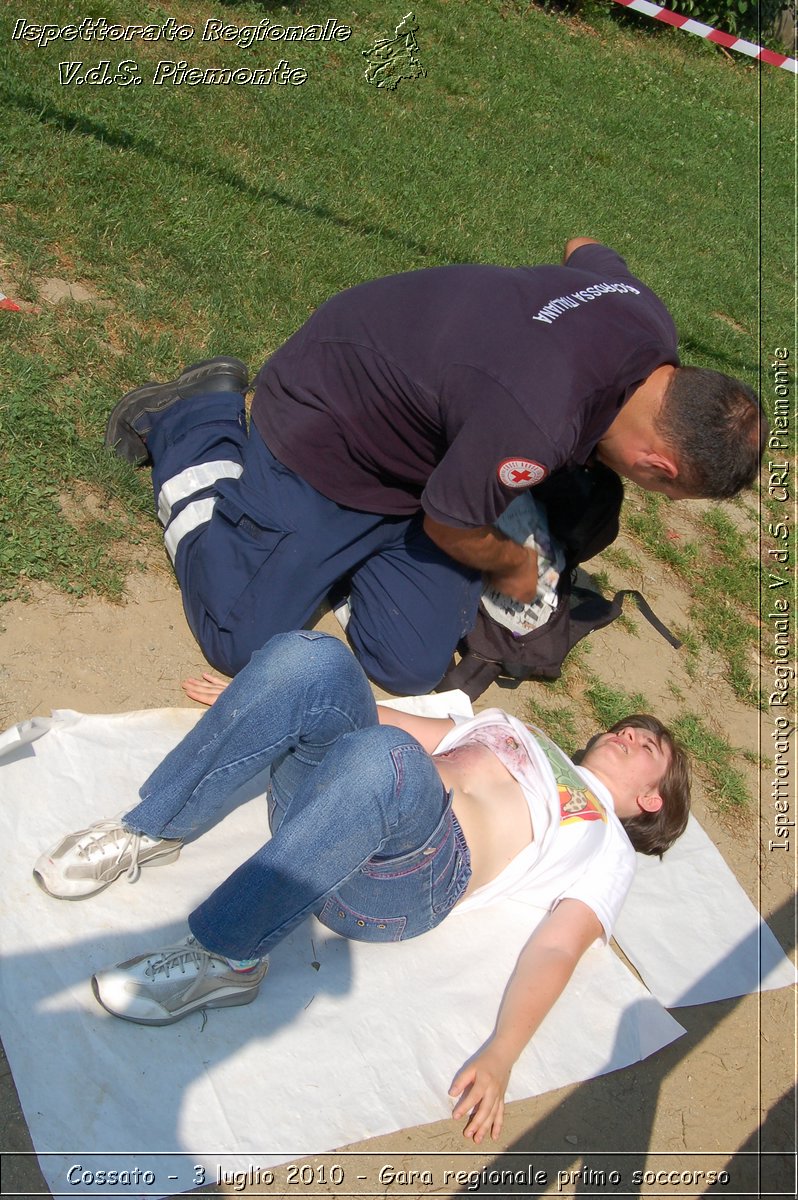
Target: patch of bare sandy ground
point(719, 1098)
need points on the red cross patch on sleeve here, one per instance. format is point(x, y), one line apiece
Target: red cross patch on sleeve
point(520, 472)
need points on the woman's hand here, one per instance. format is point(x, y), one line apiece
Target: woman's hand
point(204, 690)
point(544, 967)
point(480, 1086)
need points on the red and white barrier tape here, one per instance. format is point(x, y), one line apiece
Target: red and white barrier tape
point(713, 35)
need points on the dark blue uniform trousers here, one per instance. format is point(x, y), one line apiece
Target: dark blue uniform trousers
point(256, 550)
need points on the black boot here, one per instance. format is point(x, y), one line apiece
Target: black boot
point(130, 420)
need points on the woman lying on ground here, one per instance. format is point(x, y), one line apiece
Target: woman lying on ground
point(381, 823)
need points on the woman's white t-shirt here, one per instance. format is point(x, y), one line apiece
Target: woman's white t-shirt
point(579, 849)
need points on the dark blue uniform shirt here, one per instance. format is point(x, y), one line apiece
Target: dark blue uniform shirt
point(449, 389)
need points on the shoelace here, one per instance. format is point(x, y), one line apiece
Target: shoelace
point(181, 956)
point(105, 833)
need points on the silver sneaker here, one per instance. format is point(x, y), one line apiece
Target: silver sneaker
point(85, 862)
point(166, 985)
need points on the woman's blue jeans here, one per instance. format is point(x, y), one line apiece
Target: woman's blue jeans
point(363, 834)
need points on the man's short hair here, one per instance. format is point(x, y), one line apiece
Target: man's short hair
point(717, 429)
point(654, 832)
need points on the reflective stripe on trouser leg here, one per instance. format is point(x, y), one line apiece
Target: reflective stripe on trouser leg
point(192, 480)
point(193, 515)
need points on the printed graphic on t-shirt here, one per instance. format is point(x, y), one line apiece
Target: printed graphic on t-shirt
point(579, 805)
point(577, 801)
point(507, 748)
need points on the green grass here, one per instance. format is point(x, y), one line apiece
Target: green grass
point(557, 720)
point(690, 649)
point(610, 705)
point(648, 523)
point(620, 558)
point(601, 581)
point(711, 755)
point(215, 219)
point(722, 571)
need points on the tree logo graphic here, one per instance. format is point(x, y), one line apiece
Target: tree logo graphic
point(393, 59)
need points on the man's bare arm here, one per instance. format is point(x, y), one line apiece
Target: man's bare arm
point(574, 244)
point(508, 566)
point(544, 967)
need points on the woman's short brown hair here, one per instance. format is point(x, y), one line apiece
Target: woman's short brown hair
point(654, 832)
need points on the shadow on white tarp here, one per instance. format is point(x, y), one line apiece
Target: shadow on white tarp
point(345, 1041)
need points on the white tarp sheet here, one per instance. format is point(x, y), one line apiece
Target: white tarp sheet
point(345, 1041)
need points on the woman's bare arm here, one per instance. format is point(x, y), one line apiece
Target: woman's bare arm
point(428, 731)
point(544, 967)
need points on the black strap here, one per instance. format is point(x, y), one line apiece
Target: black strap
point(648, 613)
point(472, 675)
point(611, 609)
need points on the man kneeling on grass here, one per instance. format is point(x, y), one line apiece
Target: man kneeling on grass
point(381, 823)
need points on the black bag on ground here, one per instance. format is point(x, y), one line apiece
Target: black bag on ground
point(583, 506)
